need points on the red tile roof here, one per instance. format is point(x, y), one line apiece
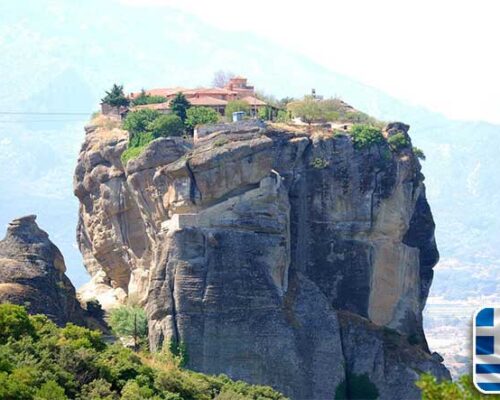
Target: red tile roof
point(207, 101)
point(254, 101)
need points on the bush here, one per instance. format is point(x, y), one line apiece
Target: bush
point(200, 116)
point(283, 116)
point(146, 125)
point(235, 106)
point(398, 141)
point(166, 125)
point(50, 390)
point(265, 113)
point(145, 98)
point(138, 121)
point(365, 136)
point(418, 153)
point(462, 389)
point(115, 97)
point(14, 322)
point(94, 309)
point(319, 163)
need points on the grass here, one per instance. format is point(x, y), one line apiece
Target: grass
point(131, 153)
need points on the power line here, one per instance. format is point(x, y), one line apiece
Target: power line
point(41, 113)
point(41, 120)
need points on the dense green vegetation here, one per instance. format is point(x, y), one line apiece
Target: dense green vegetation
point(365, 136)
point(398, 141)
point(145, 98)
point(356, 387)
point(236, 105)
point(462, 389)
point(147, 125)
point(41, 361)
point(180, 105)
point(311, 109)
point(200, 116)
point(129, 321)
point(115, 97)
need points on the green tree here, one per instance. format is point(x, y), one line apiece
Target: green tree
point(166, 125)
point(235, 106)
point(129, 321)
point(50, 390)
point(308, 110)
point(115, 97)
point(14, 322)
point(145, 98)
point(365, 136)
point(138, 121)
point(200, 116)
point(180, 105)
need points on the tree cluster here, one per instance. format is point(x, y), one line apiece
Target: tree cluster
point(41, 361)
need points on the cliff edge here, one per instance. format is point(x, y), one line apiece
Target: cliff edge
point(297, 260)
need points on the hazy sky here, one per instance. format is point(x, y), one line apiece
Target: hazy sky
point(437, 53)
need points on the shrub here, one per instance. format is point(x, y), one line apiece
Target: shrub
point(365, 136)
point(235, 106)
point(94, 308)
point(200, 116)
point(146, 125)
point(419, 153)
point(265, 113)
point(76, 337)
point(166, 125)
point(14, 322)
point(50, 390)
point(115, 97)
point(221, 141)
point(180, 105)
point(145, 98)
point(319, 163)
point(138, 121)
point(463, 388)
point(283, 116)
point(398, 141)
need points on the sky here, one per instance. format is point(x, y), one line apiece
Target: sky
point(436, 53)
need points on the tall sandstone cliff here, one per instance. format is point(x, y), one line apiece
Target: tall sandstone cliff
point(276, 257)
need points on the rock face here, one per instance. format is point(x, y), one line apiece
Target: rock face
point(32, 273)
point(283, 258)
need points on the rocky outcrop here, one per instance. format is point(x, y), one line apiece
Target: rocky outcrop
point(273, 255)
point(32, 273)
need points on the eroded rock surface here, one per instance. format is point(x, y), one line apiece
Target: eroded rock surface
point(247, 245)
point(32, 273)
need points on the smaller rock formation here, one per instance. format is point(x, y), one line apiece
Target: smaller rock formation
point(32, 273)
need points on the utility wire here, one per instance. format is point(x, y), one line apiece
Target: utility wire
point(41, 113)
